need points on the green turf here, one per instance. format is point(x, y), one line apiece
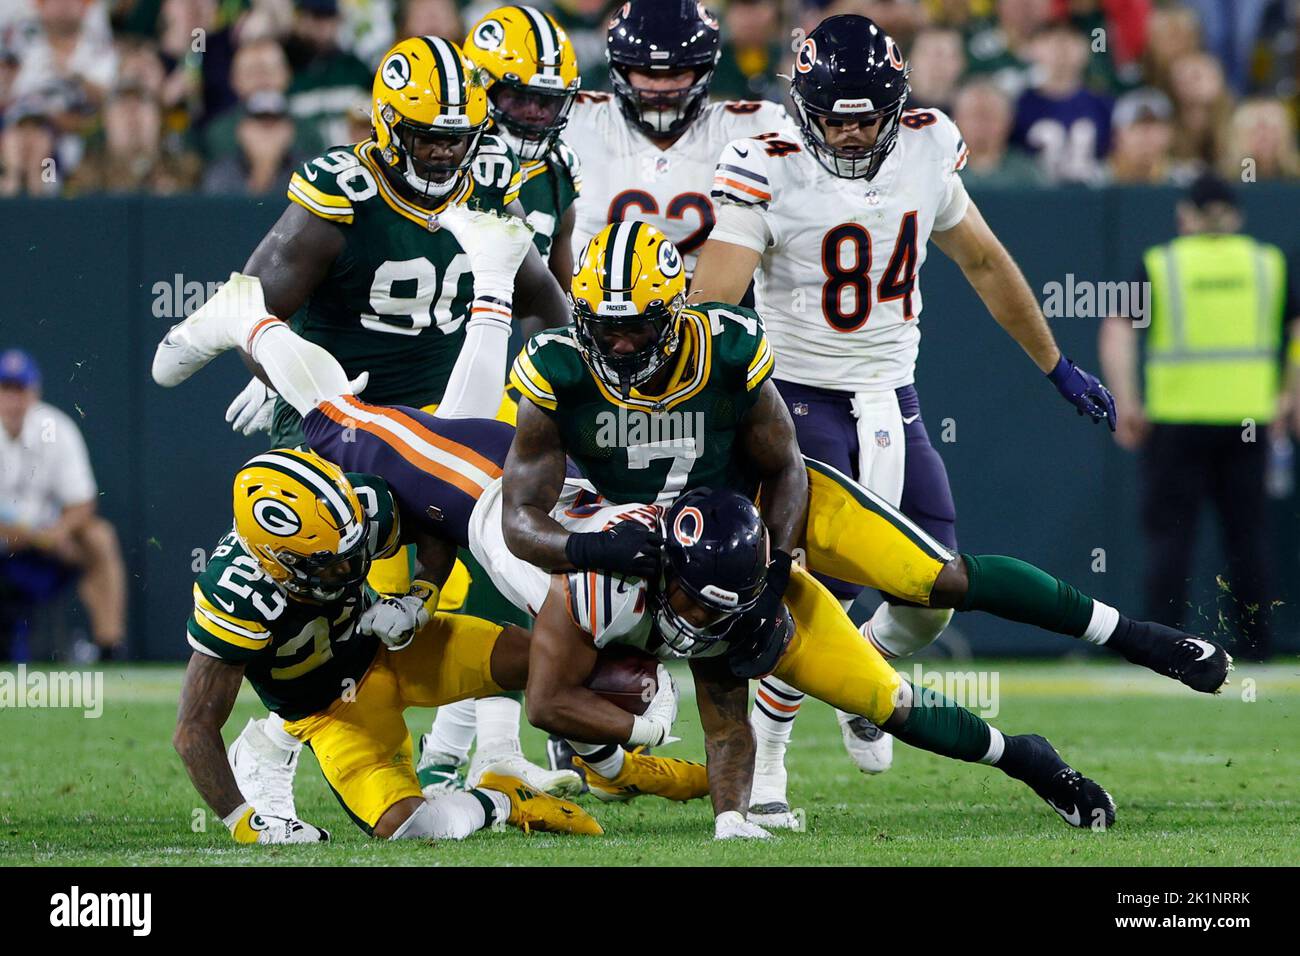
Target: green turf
point(1198, 780)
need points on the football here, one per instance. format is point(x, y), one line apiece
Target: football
point(625, 677)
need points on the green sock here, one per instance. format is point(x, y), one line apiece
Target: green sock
point(1018, 591)
point(940, 726)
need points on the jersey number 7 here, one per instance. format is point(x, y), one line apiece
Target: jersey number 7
point(846, 263)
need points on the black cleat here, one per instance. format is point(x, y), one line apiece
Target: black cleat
point(1199, 663)
point(559, 756)
point(1081, 802)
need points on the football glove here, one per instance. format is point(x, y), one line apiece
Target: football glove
point(732, 825)
point(248, 826)
point(396, 620)
point(252, 409)
point(629, 548)
point(654, 727)
point(496, 246)
point(1084, 391)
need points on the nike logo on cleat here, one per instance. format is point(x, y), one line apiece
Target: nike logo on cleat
point(1207, 649)
point(742, 152)
point(1074, 817)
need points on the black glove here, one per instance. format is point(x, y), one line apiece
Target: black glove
point(758, 639)
point(629, 548)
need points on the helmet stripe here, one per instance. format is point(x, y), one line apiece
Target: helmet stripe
point(618, 259)
point(548, 43)
point(312, 476)
point(451, 76)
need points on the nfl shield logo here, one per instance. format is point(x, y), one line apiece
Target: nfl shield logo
point(882, 438)
point(661, 165)
point(800, 408)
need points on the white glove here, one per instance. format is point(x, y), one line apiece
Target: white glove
point(495, 244)
point(248, 826)
point(732, 825)
point(654, 727)
point(396, 620)
point(252, 409)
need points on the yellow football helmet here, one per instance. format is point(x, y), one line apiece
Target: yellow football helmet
point(627, 296)
point(531, 72)
point(301, 519)
point(425, 91)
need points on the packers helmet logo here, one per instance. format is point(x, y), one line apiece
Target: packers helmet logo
point(807, 55)
point(396, 71)
point(688, 526)
point(670, 260)
point(277, 517)
point(489, 35)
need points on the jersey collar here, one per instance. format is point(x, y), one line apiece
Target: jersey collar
point(427, 218)
point(690, 374)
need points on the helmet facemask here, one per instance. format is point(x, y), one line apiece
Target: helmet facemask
point(531, 139)
point(324, 575)
point(661, 112)
point(630, 370)
point(428, 180)
point(849, 163)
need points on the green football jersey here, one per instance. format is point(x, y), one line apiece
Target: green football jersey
point(300, 656)
point(550, 185)
point(652, 448)
point(396, 299)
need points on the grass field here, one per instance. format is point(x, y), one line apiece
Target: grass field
point(1198, 781)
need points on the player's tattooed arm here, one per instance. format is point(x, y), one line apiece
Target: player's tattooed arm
point(560, 659)
point(294, 258)
point(723, 700)
point(532, 481)
point(207, 695)
point(994, 275)
point(561, 257)
point(539, 300)
point(768, 439)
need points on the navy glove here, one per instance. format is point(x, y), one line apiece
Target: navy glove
point(1084, 391)
point(759, 637)
point(629, 548)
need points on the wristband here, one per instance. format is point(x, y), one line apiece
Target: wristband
point(647, 732)
point(428, 593)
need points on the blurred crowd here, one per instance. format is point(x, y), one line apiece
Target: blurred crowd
point(226, 96)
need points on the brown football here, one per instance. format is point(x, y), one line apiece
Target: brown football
point(625, 677)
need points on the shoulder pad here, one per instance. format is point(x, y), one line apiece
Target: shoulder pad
point(739, 340)
point(383, 523)
point(235, 604)
point(549, 360)
point(324, 185)
point(496, 173)
point(938, 128)
point(741, 175)
point(567, 160)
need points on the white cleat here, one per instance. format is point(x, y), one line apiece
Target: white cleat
point(768, 805)
point(264, 772)
point(870, 748)
point(217, 326)
point(557, 783)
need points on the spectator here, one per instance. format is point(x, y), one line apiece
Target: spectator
point(1262, 142)
point(260, 66)
point(1174, 33)
point(983, 113)
point(1066, 126)
point(368, 29)
point(265, 159)
point(49, 532)
point(325, 78)
point(441, 18)
point(751, 52)
point(1202, 108)
point(27, 165)
point(131, 157)
point(937, 60)
point(1231, 31)
point(1144, 134)
point(584, 21)
point(1001, 49)
point(1217, 311)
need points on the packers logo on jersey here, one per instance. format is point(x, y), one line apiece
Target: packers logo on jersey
point(301, 519)
point(532, 76)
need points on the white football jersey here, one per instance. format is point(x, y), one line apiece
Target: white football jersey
point(838, 285)
point(613, 610)
point(626, 176)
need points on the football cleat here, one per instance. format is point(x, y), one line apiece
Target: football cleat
point(1081, 802)
point(641, 775)
point(264, 772)
point(768, 805)
point(559, 756)
point(530, 809)
point(1199, 663)
point(557, 783)
point(218, 325)
point(279, 830)
point(437, 772)
point(871, 749)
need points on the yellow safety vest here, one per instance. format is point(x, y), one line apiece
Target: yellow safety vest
point(1216, 307)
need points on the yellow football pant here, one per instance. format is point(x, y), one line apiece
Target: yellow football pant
point(829, 659)
point(857, 537)
point(393, 575)
point(362, 744)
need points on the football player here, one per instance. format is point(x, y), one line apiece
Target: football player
point(837, 217)
point(649, 149)
point(436, 465)
point(284, 602)
point(716, 562)
point(362, 261)
point(649, 397)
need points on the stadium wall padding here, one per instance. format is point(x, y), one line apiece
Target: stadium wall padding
point(1030, 477)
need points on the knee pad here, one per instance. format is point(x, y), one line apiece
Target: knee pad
point(900, 630)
